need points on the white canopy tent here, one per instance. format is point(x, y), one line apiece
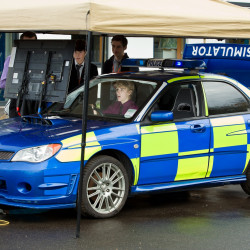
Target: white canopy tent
point(179, 18)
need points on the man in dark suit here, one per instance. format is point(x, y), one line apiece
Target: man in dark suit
point(78, 67)
point(114, 63)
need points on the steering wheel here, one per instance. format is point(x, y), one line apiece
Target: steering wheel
point(93, 110)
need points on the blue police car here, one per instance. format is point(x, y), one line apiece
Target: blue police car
point(168, 129)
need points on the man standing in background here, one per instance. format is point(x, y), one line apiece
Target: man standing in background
point(78, 66)
point(114, 63)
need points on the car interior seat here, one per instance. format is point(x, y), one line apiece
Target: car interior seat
point(184, 104)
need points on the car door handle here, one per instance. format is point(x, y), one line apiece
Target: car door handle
point(198, 128)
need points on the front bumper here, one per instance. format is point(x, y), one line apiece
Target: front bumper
point(47, 185)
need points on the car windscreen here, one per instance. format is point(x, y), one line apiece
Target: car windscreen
point(108, 98)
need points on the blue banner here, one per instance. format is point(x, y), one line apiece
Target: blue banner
point(232, 60)
point(217, 51)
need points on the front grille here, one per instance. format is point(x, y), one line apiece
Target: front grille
point(5, 155)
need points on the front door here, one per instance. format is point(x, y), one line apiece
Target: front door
point(177, 150)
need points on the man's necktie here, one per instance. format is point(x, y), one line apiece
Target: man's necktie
point(116, 67)
point(78, 67)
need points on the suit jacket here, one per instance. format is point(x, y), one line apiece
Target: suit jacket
point(74, 83)
point(108, 66)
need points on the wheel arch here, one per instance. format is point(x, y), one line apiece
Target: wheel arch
point(246, 185)
point(120, 156)
point(247, 168)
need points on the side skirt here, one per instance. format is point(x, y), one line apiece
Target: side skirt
point(190, 184)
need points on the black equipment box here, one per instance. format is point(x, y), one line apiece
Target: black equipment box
point(40, 67)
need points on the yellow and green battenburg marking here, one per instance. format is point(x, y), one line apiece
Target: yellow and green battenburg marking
point(184, 78)
point(154, 138)
point(205, 101)
point(211, 163)
point(192, 168)
point(136, 166)
point(72, 148)
point(248, 157)
point(229, 131)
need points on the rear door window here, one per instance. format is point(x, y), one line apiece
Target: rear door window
point(223, 98)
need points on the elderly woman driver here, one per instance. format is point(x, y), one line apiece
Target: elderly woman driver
point(124, 91)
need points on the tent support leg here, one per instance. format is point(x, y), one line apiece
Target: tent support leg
point(84, 128)
point(104, 38)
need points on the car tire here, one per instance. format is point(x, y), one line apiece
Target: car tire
point(246, 185)
point(105, 187)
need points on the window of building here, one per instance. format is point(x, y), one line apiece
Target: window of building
point(165, 47)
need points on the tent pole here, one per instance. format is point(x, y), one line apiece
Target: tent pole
point(103, 49)
point(84, 128)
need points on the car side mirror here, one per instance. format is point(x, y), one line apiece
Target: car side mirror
point(162, 116)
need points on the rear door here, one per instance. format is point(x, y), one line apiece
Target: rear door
point(228, 110)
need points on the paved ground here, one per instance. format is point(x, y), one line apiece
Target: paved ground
point(215, 218)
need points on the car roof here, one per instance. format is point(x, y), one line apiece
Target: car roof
point(163, 75)
point(154, 75)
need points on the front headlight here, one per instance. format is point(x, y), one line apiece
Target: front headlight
point(37, 154)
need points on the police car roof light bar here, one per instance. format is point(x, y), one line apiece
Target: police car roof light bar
point(164, 63)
